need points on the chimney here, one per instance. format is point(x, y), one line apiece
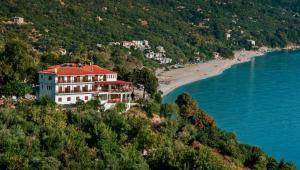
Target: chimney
point(55, 70)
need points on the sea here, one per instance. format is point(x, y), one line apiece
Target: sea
point(259, 101)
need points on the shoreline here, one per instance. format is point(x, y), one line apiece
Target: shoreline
point(174, 78)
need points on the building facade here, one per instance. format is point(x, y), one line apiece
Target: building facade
point(18, 20)
point(70, 83)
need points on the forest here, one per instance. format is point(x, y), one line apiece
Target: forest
point(43, 135)
point(187, 29)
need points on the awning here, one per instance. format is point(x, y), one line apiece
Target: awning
point(120, 82)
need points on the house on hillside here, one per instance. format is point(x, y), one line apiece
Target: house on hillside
point(160, 49)
point(150, 55)
point(251, 42)
point(62, 51)
point(70, 83)
point(18, 20)
point(159, 56)
point(136, 44)
point(114, 43)
point(166, 60)
point(128, 44)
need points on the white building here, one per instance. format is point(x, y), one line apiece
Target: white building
point(251, 42)
point(160, 49)
point(166, 60)
point(128, 44)
point(62, 51)
point(150, 54)
point(228, 36)
point(70, 83)
point(161, 57)
point(114, 43)
point(18, 20)
point(136, 44)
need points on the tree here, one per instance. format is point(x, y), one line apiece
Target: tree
point(123, 72)
point(187, 105)
point(16, 88)
point(150, 107)
point(146, 78)
point(169, 109)
point(17, 62)
point(203, 120)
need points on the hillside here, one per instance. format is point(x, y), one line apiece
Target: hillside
point(42, 135)
point(184, 28)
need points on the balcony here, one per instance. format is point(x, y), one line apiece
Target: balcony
point(74, 91)
point(96, 89)
point(75, 80)
point(118, 100)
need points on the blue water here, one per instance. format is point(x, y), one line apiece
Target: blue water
point(259, 101)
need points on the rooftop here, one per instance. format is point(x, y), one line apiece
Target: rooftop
point(75, 69)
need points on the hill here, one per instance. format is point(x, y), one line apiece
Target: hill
point(184, 28)
point(41, 135)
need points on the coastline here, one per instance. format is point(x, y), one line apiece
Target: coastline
point(172, 79)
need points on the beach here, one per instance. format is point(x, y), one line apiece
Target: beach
point(171, 79)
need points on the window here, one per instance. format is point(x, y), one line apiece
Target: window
point(86, 97)
point(49, 87)
point(77, 98)
point(41, 76)
point(59, 99)
point(69, 99)
point(42, 86)
point(50, 77)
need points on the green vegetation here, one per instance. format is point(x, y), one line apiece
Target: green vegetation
point(147, 79)
point(19, 65)
point(17, 61)
point(42, 135)
point(184, 28)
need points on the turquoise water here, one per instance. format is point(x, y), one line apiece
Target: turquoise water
point(258, 100)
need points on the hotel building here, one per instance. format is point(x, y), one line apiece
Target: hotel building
point(69, 83)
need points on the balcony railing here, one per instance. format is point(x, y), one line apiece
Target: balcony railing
point(118, 100)
point(91, 90)
point(74, 81)
point(75, 91)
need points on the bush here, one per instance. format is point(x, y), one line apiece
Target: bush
point(120, 107)
point(46, 101)
point(187, 105)
point(16, 88)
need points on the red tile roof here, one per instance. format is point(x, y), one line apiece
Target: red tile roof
point(75, 69)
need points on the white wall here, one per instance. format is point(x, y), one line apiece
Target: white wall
point(64, 98)
point(111, 77)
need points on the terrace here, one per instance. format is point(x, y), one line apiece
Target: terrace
point(106, 87)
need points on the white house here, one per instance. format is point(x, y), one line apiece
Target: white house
point(228, 36)
point(136, 44)
point(165, 60)
point(161, 57)
point(69, 83)
point(18, 20)
point(150, 54)
point(160, 49)
point(128, 44)
point(62, 51)
point(114, 43)
point(252, 42)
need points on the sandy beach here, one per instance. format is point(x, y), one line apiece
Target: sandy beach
point(170, 80)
